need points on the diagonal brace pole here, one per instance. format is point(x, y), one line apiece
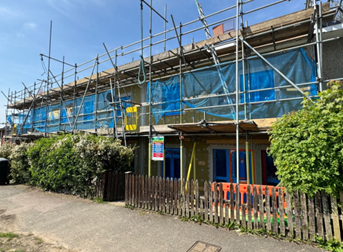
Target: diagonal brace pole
point(275, 69)
point(84, 95)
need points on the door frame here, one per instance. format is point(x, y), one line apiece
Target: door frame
point(252, 157)
point(172, 160)
point(228, 169)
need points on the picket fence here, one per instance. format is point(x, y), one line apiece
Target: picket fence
point(259, 207)
point(110, 186)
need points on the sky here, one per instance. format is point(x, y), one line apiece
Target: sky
point(80, 27)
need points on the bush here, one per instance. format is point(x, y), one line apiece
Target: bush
point(307, 145)
point(19, 171)
point(6, 150)
point(75, 163)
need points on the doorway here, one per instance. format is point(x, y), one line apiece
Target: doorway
point(224, 163)
point(172, 166)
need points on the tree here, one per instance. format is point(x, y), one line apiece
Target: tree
point(307, 145)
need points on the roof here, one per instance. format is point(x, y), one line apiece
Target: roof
point(3, 160)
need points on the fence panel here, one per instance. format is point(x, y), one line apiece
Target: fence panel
point(255, 209)
point(289, 215)
point(282, 213)
point(294, 213)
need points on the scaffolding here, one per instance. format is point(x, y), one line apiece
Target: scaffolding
point(62, 97)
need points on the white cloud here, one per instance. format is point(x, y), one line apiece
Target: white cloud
point(5, 12)
point(65, 7)
point(30, 26)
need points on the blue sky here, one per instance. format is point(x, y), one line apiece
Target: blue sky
point(81, 26)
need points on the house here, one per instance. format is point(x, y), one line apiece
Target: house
point(185, 99)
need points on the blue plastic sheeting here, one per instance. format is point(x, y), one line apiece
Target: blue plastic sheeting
point(61, 116)
point(198, 86)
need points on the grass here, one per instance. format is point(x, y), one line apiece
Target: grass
point(38, 240)
point(99, 200)
point(10, 235)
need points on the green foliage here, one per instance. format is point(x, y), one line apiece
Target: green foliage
point(307, 145)
point(74, 163)
point(10, 235)
point(6, 150)
point(99, 200)
point(331, 245)
point(19, 163)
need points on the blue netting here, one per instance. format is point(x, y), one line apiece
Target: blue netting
point(198, 86)
point(203, 90)
point(67, 112)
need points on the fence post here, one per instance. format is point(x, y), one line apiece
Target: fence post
point(260, 207)
point(126, 188)
point(327, 219)
point(335, 219)
point(249, 206)
point(269, 225)
point(232, 206)
point(210, 201)
point(179, 197)
point(297, 215)
point(255, 200)
point(319, 215)
point(221, 194)
point(197, 198)
point(282, 213)
point(238, 203)
point(191, 188)
point(275, 224)
point(312, 218)
point(289, 214)
point(215, 203)
point(304, 216)
point(206, 217)
point(176, 199)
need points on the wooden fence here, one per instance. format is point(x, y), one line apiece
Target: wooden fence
point(111, 186)
point(259, 207)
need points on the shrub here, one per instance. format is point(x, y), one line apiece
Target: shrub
point(6, 150)
point(307, 145)
point(75, 163)
point(19, 171)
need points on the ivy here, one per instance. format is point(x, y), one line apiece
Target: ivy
point(307, 145)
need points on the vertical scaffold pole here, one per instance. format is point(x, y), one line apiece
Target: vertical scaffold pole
point(33, 111)
point(61, 106)
point(247, 162)
point(180, 63)
point(318, 45)
point(96, 96)
point(48, 81)
point(237, 90)
point(150, 87)
point(74, 97)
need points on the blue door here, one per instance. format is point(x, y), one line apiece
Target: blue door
point(242, 166)
point(172, 159)
point(221, 165)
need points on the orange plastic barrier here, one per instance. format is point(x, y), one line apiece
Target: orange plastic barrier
point(243, 191)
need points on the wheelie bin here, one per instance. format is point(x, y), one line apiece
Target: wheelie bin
point(4, 171)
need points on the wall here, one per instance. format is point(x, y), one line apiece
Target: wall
point(333, 59)
point(204, 154)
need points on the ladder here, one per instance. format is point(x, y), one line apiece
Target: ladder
point(122, 113)
point(216, 59)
